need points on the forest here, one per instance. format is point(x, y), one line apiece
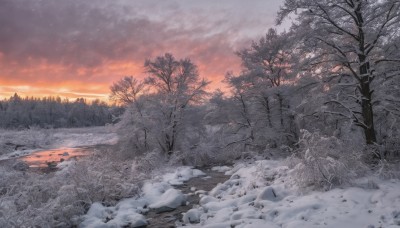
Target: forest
point(53, 112)
point(307, 134)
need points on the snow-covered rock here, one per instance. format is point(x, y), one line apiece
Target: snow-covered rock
point(169, 200)
point(159, 196)
point(192, 216)
point(181, 175)
point(207, 199)
point(268, 193)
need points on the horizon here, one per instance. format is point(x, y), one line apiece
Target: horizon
point(75, 49)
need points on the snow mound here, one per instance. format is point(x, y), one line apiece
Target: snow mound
point(268, 193)
point(124, 214)
point(181, 175)
point(192, 216)
point(171, 199)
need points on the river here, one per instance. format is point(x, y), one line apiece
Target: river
point(51, 157)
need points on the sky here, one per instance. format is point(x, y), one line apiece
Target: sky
point(78, 48)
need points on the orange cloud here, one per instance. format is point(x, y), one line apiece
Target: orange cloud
point(93, 83)
point(79, 48)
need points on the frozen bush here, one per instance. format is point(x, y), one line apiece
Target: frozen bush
point(60, 199)
point(149, 162)
point(392, 148)
point(102, 180)
point(387, 170)
point(324, 162)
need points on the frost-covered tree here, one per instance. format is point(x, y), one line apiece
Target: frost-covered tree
point(160, 115)
point(350, 41)
point(263, 90)
point(126, 90)
point(177, 85)
point(18, 112)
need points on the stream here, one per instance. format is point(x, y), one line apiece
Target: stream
point(50, 158)
point(206, 183)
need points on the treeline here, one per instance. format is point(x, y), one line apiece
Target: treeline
point(54, 112)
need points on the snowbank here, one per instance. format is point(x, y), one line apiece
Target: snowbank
point(264, 195)
point(261, 194)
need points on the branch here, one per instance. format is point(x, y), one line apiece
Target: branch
point(370, 47)
point(352, 113)
point(328, 18)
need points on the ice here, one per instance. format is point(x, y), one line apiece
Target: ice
point(21, 143)
point(221, 168)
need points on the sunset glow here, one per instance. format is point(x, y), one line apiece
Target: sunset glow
point(79, 48)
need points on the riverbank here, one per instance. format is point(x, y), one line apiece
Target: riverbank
point(14, 144)
point(253, 194)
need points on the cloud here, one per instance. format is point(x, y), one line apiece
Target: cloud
point(54, 42)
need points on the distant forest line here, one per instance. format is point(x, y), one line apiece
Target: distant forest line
point(54, 112)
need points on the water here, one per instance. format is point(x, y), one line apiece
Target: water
point(170, 218)
point(47, 158)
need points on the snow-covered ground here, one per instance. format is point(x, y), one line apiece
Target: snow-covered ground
point(259, 194)
point(263, 194)
point(20, 143)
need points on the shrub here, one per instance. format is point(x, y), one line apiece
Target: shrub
point(325, 162)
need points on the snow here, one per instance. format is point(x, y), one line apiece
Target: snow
point(262, 194)
point(21, 143)
point(172, 198)
point(221, 168)
point(181, 175)
point(157, 195)
point(192, 216)
point(258, 194)
point(100, 216)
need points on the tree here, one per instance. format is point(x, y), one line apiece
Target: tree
point(350, 40)
point(161, 108)
point(262, 89)
point(52, 112)
point(176, 85)
point(270, 63)
point(126, 90)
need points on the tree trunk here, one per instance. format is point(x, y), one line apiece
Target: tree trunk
point(365, 81)
point(266, 100)
point(280, 99)
point(366, 104)
point(146, 146)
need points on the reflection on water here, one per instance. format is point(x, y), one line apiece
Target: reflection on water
point(47, 158)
